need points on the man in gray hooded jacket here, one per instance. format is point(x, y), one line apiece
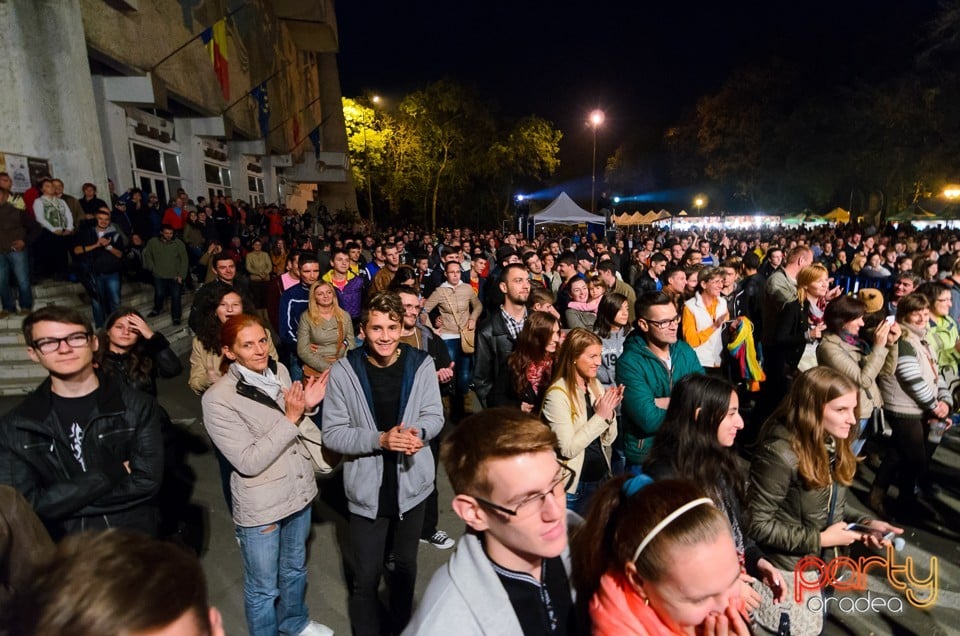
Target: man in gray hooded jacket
point(381, 409)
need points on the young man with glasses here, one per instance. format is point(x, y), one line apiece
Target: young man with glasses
point(85, 451)
point(653, 359)
point(510, 574)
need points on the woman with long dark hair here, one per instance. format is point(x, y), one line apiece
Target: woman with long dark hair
point(695, 442)
point(860, 359)
point(133, 353)
point(206, 354)
point(531, 363)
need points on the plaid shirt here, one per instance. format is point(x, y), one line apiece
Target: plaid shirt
point(513, 326)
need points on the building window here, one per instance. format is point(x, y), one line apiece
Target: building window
point(255, 186)
point(156, 171)
point(217, 180)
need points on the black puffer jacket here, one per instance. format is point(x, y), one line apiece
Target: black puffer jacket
point(125, 426)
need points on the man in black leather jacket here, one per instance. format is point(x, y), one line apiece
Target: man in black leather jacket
point(84, 450)
point(495, 340)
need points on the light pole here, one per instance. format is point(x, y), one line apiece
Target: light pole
point(596, 120)
point(699, 203)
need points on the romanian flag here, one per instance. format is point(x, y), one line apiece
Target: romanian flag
point(215, 39)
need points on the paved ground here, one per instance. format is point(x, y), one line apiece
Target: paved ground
point(210, 529)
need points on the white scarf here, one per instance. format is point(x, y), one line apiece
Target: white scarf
point(267, 382)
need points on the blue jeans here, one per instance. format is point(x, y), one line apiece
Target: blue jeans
point(108, 288)
point(162, 288)
point(275, 575)
point(17, 261)
point(294, 366)
point(463, 370)
point(579, 500)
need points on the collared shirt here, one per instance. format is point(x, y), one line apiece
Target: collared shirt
point(544, 606)
point(514, 326)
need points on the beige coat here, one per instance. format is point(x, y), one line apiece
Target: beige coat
point(326, 337)
point(272, 477)
point(574, 431)
point(840, 356)
point(456, 305)
point(259, 265)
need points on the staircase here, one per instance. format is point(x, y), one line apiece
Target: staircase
point(19, 374)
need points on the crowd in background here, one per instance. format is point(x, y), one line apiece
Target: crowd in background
point(647, 354)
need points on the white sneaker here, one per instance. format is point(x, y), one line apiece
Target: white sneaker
point(440, 540)
point(314, 628)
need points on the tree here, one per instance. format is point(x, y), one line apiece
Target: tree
point(367, 142)
point(528, 153)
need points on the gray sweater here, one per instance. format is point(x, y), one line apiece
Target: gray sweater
point(349, 428)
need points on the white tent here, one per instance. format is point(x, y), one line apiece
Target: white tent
point(564, 211)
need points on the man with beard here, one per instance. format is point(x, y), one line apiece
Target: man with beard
point(496, 336)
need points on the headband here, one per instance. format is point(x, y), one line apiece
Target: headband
point(667, 521)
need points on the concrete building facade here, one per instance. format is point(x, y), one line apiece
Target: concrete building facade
point(129, 89)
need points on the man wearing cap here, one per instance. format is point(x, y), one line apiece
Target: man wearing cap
point(873, 300)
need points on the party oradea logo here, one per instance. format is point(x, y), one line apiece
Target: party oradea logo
point(845, 574)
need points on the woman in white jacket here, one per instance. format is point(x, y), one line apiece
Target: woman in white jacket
point(582, 415)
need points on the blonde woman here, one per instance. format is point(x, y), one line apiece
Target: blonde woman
point(459, 310)
point(583, 415)
point(326, 331)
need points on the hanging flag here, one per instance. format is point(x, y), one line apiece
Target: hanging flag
point(259, 93)
point(296, 129)
point(315, 140)
point(215, 39)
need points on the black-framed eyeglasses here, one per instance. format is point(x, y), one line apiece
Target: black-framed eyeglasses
point(74, 340)
point(560, 485)
point(660, 324)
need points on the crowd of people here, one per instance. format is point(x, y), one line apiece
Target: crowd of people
point(689, 407)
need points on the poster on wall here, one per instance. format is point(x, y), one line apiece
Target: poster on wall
point(39, 168)
point(19, 172)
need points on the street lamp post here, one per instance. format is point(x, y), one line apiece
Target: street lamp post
point(596, 119)
point(699, 203)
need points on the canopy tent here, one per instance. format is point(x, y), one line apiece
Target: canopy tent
point(621, 219)
point(663, 215)
point(564, 211)
point(837, 214)
point(648, 218)
point(944, 209)
point(913, 213)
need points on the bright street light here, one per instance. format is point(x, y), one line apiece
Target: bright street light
point(375, 99)
point(951, 191)
point(699, 202)
point(596, 120)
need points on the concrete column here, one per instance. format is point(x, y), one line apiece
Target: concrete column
point(336, 196)
point(115, 138)
point(47, 106)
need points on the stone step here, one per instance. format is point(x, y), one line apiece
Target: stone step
point(19, 375)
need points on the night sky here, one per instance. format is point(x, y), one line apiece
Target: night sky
point(645, 64)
